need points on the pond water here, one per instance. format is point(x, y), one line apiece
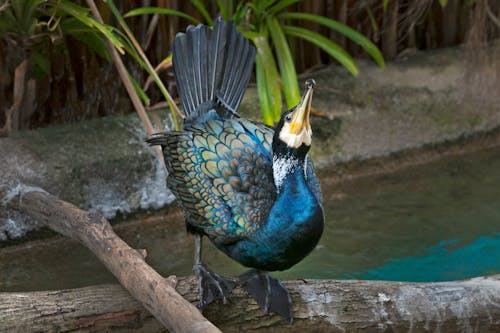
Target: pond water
point(434, 222)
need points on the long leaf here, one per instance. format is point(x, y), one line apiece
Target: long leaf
point(270, 74)
point(350, 33)
point(325, 44)
point(163, 65)
point(281, 5)
point(83, 33)
point(138, 89)
point(240, 13)
point(82, 14)
point(161, 11)
point(41, 62)
point(203, 10)
point(224, 9)
point(266, 109)
point(146, 64)
point(285, 62)
point(251, 35)
point(373, 21)
point(260, 6)
point(385, 4)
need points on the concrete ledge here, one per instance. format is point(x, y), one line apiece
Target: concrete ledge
point(102, 165)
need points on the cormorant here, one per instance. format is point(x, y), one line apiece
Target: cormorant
point(248, 188)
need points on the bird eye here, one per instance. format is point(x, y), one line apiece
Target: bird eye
point(288, 117)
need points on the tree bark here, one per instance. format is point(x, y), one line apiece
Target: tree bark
point(390, 30)
point(154, 292)
point(319, 306)
point(12, 115)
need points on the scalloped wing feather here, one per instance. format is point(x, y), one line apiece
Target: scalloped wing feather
point(222, 173)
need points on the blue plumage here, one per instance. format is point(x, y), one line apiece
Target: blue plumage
point(289, 233)
point(250, 189)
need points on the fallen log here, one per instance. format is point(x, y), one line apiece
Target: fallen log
point(319, 306)
point(154, 292)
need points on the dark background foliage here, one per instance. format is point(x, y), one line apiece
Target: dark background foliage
point(77, 83)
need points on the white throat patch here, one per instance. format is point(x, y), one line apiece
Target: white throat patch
point(295, 140)
point(281, 168)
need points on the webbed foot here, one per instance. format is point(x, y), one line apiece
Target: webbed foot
point(212, 286)
point(269, 293)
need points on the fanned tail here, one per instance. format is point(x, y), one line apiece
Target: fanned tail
point(212, 65)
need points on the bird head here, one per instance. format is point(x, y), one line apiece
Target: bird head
point(292, 136)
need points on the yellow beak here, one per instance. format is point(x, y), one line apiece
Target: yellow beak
point(300, 118)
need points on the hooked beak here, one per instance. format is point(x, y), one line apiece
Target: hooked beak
point(300, 118)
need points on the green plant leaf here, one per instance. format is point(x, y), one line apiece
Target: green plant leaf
point(373, 21)
point(325, 44)
point(225, 9)
point(82, 14)
point(266, 109)
point(261, 6)
point(26, 14)
point(203, 10)
point(443, 3)
point(139, 55)
point(75, 28)
point(269, 75)
point(281, 5)
point(162, 11)
point(7, 20)
point(240, 13)
point(350, 33)
point(41, 62)
point(285, 62)
point(222, 9)
point(385, 4)
point(251, 35)
point(144, 97)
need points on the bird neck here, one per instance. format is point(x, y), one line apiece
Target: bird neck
point(296, 211)
point(286, 171)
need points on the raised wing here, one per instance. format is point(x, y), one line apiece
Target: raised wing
point(221, 171)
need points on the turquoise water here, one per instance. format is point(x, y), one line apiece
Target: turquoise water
point(443, 262)
point(434, 222)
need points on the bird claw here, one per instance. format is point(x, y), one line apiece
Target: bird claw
point(212, 286)
point(269, 293)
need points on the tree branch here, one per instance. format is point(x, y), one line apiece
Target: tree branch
point(92, 230)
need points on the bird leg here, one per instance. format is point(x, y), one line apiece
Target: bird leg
point(211, 286)
point(269, 293)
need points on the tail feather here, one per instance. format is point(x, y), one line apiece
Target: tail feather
point(182, 74)
point(231, 54)
point(216, 57)
point(242, 67)
point(212, 65)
